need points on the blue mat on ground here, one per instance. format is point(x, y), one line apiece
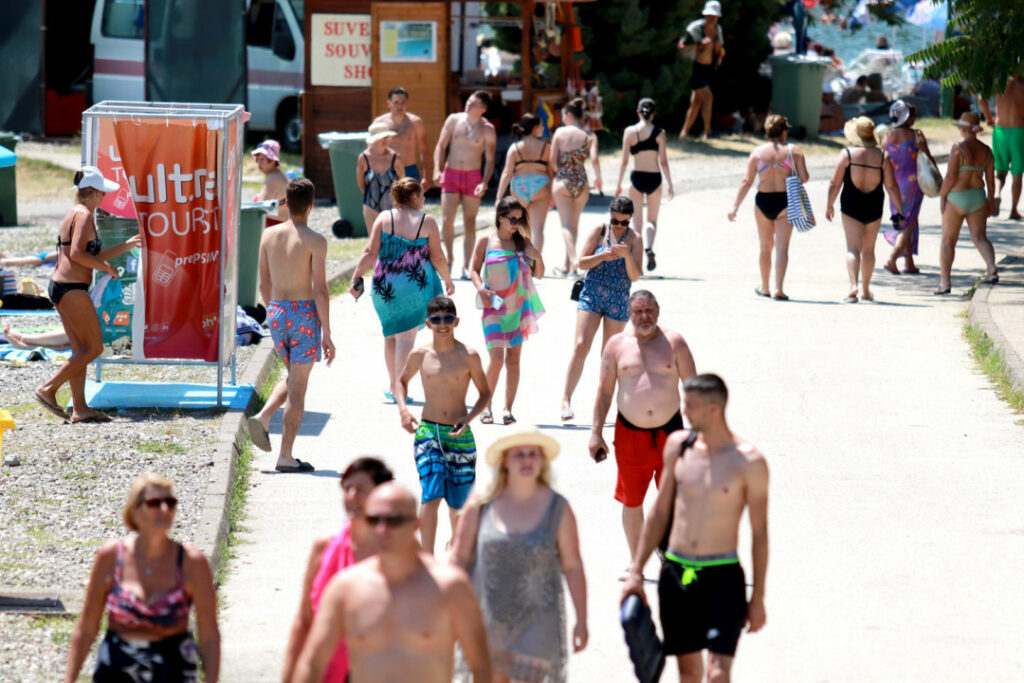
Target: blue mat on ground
point(107, 395)
point(10, 353)
point(11, 312)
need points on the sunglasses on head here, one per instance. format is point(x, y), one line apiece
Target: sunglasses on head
point(156, 503)
point(615, 221)
point(390, 521)
point(445, 319)
point(516, 220)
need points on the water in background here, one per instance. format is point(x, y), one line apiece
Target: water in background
point(906, 38)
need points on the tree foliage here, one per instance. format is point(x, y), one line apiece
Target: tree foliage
point(630, 50)
point(988, 47)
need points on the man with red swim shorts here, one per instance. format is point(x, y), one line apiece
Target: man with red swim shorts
point(648, 364)
point(466, 139)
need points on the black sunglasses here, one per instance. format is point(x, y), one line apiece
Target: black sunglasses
point(155, 503)
point(516, 220)
point(446, 319)
point(390, 521)
point(624, 223)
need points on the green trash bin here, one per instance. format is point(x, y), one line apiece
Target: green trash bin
point(345, 149)
point(116, 296)
point(796, 90)
point(250, 230)
point(8, 187)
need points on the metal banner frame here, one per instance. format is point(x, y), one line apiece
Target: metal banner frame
point(217, 117)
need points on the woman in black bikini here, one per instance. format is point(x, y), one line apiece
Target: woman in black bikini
point(859, 168)
point(770, 164)
point(527, 174)
point(645, 142)
point(79, 252)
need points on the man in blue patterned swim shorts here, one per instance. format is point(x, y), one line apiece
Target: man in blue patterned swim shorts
point(444, 446)
point(293, 282)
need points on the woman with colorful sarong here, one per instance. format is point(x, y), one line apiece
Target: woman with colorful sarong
point(504, 265)
point(902, 145)
point(405, 245)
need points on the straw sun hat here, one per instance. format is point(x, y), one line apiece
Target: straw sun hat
point(378, 131)
point(860, 130)
point(548, 446)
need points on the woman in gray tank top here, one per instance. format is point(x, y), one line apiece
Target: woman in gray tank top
point(516, 543)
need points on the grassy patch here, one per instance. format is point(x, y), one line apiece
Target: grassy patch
point(344, 250)
point(990, 361)
point(160, 446)
point(39, 179)
point(59, 626)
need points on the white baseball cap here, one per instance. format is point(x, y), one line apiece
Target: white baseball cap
point(712, 8)
point(91, 177)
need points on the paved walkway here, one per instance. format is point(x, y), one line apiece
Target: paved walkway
point(896, 533)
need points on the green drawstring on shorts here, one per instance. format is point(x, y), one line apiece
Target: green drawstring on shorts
point(691, 567)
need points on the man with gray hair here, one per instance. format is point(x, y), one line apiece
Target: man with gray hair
point(648, 363)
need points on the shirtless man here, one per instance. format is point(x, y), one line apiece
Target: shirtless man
point(293, 285)
point(647, 363)
point(333, 554)
point(410, 141)
point(702, 588)
point(703, 42)
point(466, 138)
point(444, 446)
point(1008, 140)
point(400, 612)
point(275, 184)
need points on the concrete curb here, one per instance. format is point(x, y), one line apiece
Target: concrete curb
point(980, 315)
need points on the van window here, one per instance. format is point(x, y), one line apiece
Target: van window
point(124, 19)
point(283, 44)
point(260, 23)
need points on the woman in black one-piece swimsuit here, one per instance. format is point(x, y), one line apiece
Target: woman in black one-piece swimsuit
point(79, 252)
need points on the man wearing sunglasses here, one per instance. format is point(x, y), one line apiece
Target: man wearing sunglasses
point(400, 612)
point(444, 446)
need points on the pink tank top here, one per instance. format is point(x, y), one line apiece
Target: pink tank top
point(338, 555)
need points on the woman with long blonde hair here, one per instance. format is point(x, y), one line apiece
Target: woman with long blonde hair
point(517, 542)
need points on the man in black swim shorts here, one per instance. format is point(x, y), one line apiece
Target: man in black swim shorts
point(702, 587)
point(703, 43)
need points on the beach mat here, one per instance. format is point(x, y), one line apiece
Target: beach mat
point(12, 354)
point(108, 395)
point(13, 312)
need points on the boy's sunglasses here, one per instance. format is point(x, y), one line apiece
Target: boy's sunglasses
point(156, 503)
point(615, 221)
point(446, 319)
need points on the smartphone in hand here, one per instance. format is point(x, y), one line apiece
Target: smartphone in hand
point(359, 286)
point(600, 454)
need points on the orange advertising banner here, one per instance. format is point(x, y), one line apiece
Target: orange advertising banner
point(108, 160)
point(171, 171)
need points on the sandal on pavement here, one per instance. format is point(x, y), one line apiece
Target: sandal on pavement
point(780, 297)
point(990, 280)
point(487, 417)
point(911, 271)
point(508, 418)
point(850, 299)
point(651, 263)
point(94, 418)
point(258, 434)
point(298, 467)
point(567, 414)
point(891, 267)
point(761, 292)
point(51, 406)
point(942, 292)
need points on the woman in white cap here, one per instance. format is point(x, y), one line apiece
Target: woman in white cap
point(963, 195)
point(703, 42)
point(79, 252)
point(517, 542)
point(903, 143)
point(861, 173)
point(377, 169)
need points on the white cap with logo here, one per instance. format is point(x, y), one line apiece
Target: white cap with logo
point(91, 177)
point(712, 8)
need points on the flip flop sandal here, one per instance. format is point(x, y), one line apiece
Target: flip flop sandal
point(942, 292)
point(651, 263)
point(761, 292)
point(780, 297)
point(51, 407)
point(991, 280)
point(487, 417)
point(258, 434)
point(507, 419)
point(301, 466)
point(99, 418)
point(911, 271)
point(850, 300)
point(891, 267)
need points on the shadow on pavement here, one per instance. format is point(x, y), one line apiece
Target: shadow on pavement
point(313, 423)
point(331, 474)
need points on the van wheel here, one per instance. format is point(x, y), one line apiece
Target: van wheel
point(290, 128)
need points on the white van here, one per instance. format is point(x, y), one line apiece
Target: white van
point(275, 55)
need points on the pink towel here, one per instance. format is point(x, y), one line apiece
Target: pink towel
point(338, 555)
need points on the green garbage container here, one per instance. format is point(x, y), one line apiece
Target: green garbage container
point(345, 149)
point(9, 140)
point(8, 187)
point(117, 297)
point(250, 230)
point(796, 90)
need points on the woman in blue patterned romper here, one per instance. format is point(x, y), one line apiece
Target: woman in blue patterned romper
point(612, 258)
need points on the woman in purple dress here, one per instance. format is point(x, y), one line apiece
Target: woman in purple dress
point(902, 145)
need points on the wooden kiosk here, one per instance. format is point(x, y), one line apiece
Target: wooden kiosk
point(357, 50)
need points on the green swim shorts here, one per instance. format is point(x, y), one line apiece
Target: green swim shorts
point(1008, 150)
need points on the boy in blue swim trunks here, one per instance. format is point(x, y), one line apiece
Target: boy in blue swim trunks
point(444, 446)
point(293, 284)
